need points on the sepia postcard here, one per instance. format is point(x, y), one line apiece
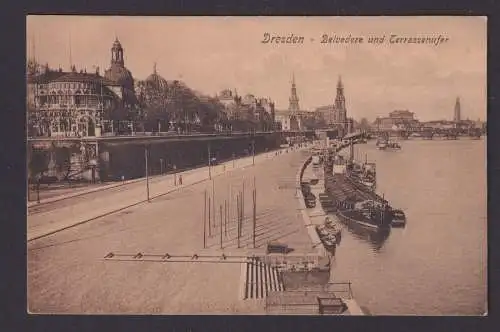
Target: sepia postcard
point(256, 165)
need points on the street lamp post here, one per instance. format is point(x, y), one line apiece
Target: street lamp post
point(209, 163)
point(253, 152)
point(38, 191)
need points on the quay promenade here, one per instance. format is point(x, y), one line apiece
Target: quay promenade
point(67, 272)
point(71, 209)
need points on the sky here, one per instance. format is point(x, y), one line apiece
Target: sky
point(214, 53)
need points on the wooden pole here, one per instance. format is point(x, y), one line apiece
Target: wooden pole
point(254, 216)
point(209, 217)
point(205, 221)
point(238, 218)
point(147, 172)
point(242, 214)
point(230, 201)
point(225, 218)
point(213, 201)
point(209, 163)
point(253, 152)
point(254, 209)
point(243, 202)
point(220, 226)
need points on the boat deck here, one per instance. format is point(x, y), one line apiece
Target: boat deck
point(343, 188)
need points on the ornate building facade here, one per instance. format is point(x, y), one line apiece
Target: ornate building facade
point(397, 120)
point(247, 112)
point(77, 103)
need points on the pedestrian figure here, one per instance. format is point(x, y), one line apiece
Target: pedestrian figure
point(123, 179)
point(180, 179)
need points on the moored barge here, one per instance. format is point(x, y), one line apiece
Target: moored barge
point(354, 202)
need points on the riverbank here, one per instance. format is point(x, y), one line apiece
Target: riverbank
point(67, 272)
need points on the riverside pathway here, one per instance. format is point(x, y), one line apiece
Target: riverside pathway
point(67, 272)
point(60, 213)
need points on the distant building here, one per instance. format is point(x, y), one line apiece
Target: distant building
point(286, 121)
point(402, 115)
point(397, 120)
point(251, 109)
point(327, 113)
point(227, 97)
point(439, 124)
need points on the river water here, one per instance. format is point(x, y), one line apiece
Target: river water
point(437, 264)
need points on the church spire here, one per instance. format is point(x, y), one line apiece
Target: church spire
point(340, 111)
point(340, 98)
point(294, 100)
point(154, 68)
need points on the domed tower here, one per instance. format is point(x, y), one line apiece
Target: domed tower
point(117, 53)
point(117, 71)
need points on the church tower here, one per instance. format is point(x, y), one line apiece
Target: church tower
point(117, 53)
point(457, 117)
point(340, 103)
point(293, 108)
point(294, 100)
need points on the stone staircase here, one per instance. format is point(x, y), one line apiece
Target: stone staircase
point(260, 279)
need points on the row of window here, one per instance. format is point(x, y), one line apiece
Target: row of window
point(73, 85)
point(55, 99)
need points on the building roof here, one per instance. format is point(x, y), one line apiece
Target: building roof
point(46, 77)
point(325, 108)
point(155, 81)
point(226, 94)
point(406, 112)
point(61, 76)
point(120, 75)
point(83, 77)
